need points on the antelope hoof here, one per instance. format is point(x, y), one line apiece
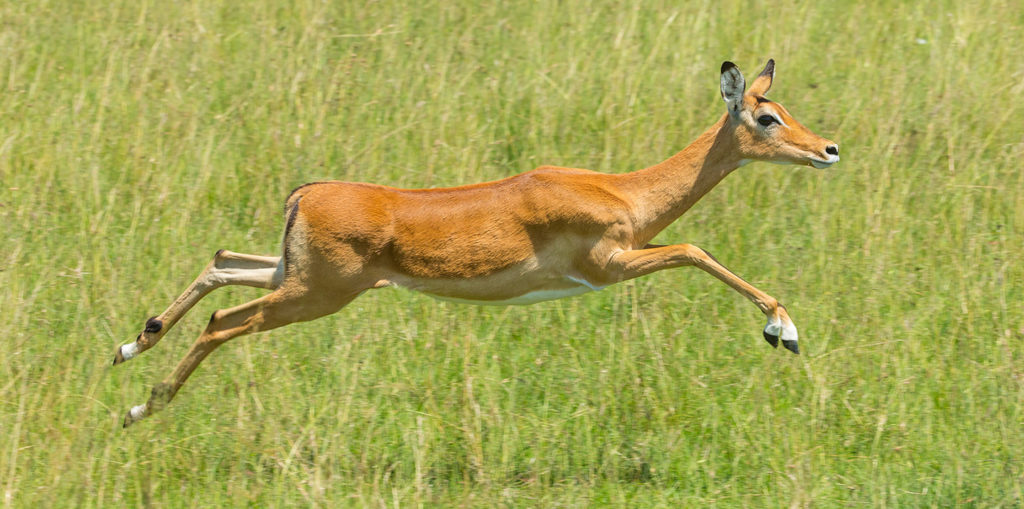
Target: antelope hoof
point(136, 414)
point(128, 350)
point(789, 336)
point(772, 331)
point(781, 328)
point(125, 352)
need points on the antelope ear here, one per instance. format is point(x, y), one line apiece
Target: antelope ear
point(763, 81)
point(732, 88)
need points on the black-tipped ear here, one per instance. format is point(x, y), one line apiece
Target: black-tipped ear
point(732, 88)
point(763, 82)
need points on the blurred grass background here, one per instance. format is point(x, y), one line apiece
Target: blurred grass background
point(137, 138)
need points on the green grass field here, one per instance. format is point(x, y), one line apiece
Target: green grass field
point(137, 138)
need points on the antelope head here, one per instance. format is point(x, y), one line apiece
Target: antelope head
point(764, 130)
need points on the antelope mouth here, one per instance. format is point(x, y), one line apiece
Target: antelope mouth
point(821, 164)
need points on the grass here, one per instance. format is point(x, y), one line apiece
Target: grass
point(137, 138)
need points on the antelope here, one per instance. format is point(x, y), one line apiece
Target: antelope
point(545, 234)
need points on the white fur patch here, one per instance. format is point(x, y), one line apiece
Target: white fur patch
point(774, 326)
point(531, 297)
point(137, 412)
point(825, 163)
point(526, 298)
point(789, 331)
point(129, 350)
point(586, 283)
point(821, 165)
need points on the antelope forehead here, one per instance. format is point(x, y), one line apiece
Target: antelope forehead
point(767, 107)
point(778, 109)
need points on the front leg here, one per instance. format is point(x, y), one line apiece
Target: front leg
point(630, 264)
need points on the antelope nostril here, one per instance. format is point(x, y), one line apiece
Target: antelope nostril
point(832, 150)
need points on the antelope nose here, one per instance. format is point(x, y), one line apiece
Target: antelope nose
point(832, 150)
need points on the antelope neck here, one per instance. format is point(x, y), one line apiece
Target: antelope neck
point(663, 192)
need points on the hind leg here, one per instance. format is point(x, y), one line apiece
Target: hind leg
point(274, 310)
point(227, 268)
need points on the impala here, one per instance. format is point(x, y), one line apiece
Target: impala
point(544, 234)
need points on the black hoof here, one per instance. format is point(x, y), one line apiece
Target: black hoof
point(791, 346)
point(771, 339)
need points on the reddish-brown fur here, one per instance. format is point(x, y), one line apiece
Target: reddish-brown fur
point(555, 231)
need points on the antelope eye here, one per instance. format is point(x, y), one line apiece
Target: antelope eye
point(766, 120)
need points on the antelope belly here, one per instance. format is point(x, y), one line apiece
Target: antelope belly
point(529, 297)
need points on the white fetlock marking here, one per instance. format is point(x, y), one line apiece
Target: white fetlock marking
point(774, 326)
point(137, 412)
point(789, 331)
point(129, 350)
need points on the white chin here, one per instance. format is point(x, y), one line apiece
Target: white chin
point(821, 165)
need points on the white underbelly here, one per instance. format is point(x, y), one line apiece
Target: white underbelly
point(580, 287)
